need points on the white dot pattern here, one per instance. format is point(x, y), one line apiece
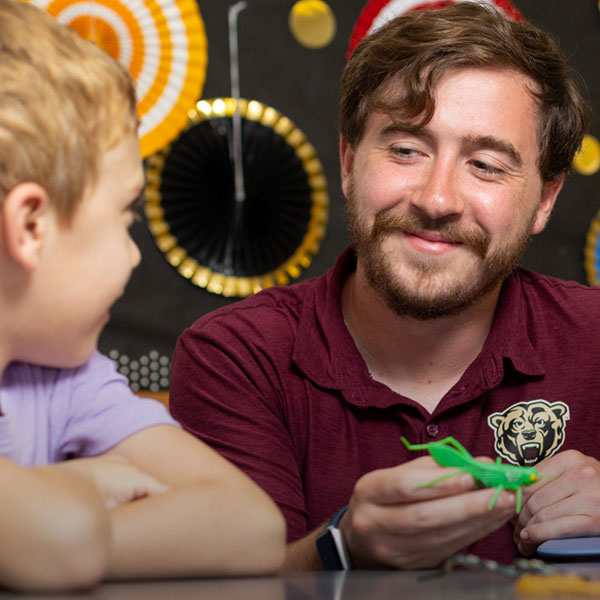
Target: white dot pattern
point(147, 372)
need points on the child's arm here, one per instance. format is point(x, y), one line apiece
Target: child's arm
point(54, 529)
point(115, 478)
point(212, 520)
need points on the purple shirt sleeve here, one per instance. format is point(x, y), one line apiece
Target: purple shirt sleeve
point(49, 415)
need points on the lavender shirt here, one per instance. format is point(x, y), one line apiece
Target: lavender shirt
point(48, 415)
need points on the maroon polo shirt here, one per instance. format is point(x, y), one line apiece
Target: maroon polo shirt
point(276, 385)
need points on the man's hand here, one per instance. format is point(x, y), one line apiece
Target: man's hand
point(566, 503)
point(391, 521)
point(115, 478)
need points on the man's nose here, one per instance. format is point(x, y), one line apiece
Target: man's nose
point(439, 196)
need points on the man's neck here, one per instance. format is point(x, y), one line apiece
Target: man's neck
point(419, 359)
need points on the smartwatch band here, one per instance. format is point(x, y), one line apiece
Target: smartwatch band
point(330, 545)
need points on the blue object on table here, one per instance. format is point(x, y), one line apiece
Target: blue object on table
point(571, 549)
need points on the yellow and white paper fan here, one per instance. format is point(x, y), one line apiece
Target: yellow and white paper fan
point(163, 45)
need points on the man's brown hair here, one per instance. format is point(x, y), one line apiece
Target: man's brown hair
point(63, 104)
point(396, 70)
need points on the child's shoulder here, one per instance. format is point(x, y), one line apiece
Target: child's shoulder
point(28, 377)
point(55, 413)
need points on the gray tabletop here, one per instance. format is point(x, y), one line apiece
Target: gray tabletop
point(353, 585)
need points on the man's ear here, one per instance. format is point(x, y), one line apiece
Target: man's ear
point(346, 161)
point(550, 192)
point(26, 213)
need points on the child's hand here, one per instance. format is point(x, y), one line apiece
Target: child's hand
point(116, 479)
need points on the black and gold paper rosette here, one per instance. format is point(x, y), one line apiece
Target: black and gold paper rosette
point(215, 241)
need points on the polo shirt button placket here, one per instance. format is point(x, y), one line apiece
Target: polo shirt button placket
point(432, 430)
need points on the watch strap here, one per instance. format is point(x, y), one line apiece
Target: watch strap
point(331, 547)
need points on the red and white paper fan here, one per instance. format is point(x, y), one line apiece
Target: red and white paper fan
point(163, 45)
point(378, 12)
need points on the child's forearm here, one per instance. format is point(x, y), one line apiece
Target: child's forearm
point(199, 529)
point(55, 530)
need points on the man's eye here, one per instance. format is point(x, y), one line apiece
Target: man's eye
point(404, 152)
point(485, 168)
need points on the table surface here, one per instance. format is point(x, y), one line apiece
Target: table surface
point(352, 585)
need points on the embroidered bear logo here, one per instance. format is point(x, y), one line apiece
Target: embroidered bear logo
point(529, 431)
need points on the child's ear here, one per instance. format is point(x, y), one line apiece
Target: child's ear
point(26, 213)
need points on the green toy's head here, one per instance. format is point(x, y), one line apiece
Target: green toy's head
point(523, 475)
point(533, 475)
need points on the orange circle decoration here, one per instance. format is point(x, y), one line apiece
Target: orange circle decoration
point(163, 45)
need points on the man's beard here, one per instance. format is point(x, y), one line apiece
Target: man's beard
point(491, 270)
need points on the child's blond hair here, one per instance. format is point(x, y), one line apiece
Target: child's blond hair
point(63, 104)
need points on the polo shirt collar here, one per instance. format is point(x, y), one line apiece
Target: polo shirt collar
point(509, 337)
point(325, 351)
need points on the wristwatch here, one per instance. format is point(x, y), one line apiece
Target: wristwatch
point(330, 545)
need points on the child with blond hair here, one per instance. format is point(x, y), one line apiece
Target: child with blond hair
point(96, 481)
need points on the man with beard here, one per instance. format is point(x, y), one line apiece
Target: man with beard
point(457, 128)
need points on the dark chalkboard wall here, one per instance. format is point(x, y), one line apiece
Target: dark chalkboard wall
point(302, 84)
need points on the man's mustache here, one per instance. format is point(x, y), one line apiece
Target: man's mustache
point(387, 222)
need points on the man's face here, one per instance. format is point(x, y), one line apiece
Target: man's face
point(440, 216)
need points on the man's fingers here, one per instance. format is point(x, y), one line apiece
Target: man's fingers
point(423, 533)
point(566, 526)
point(438, 513)
point(422, 517)
point(420, 479)
point(430, 549)
point(557, 498)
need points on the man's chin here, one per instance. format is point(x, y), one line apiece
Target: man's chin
point(433, 299)
point(425, 309)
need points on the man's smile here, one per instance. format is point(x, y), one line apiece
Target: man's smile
point(432, 242)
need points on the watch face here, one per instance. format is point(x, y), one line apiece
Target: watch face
point(377, 12)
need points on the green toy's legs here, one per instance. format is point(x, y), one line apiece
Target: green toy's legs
point(439, 479)
point(495, 497)
point(519, 498)
point(451, 453)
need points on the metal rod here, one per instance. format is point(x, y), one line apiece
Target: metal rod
point(234, 72)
